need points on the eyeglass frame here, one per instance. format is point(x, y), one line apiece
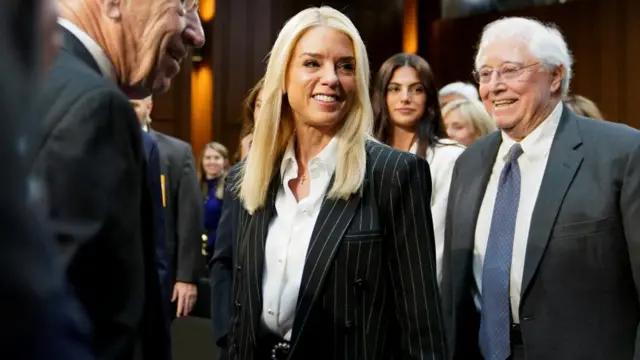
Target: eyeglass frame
point(500, 71)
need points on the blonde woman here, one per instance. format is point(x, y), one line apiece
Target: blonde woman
point(582, 106)
point(467, 120)
point(213, 168)
point(333, 239)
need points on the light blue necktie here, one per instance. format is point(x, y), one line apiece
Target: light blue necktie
point(495, 322)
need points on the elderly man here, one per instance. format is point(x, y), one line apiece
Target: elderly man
point(89, 156)
point(183, 209)
point(542, 234)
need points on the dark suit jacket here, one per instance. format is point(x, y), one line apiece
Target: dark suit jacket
point(582, 267)
point(222, 265)
point(40, 321)
point(184, 219)
point(152, 158)
point(89, 155)
point(369, 287)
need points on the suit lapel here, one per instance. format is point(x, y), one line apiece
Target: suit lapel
point(332, 223)
point(472, 193)
point(562, 165)
point(253, 243)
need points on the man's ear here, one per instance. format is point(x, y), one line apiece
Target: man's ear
point(557, 76)
point(112, 8)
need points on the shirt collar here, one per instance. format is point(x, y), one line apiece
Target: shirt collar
point(326, 158)
point(538, 143)
point(98, 54)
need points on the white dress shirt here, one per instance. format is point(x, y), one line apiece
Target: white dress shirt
point(289, 237)
point(98, 54)
point(532, 163)
point(441, 159)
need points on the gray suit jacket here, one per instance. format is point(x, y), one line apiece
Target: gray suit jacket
point(582, 266)
point(368, 288)
point(184, 209)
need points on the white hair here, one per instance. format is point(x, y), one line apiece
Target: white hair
point(467, 90)
point(544, 41)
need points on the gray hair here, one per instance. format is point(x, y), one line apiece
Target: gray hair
point(467, 90)
point(544, 41)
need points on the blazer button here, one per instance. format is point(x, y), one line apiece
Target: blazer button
point(238, 268)
point(238, 305)
point(359, 283)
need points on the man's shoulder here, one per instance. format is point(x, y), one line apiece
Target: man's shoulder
point(172, 146)
point(71, 80)
point(171, 140)
point(607, 135)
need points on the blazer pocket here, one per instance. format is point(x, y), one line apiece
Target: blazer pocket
point(363, 236)
point(583, 228)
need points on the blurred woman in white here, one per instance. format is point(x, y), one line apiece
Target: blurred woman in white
point(335, 250)
point(467, 120)
point(407, 117)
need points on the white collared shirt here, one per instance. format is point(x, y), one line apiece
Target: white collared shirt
point(441, 158)
point(98, 54)
point(532, 163)
point(289, 237)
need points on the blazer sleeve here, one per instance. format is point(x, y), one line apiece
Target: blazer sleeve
point(189, 222)
point(92, 164)
point(412, 263)
point(221, 265)
point(630, 209)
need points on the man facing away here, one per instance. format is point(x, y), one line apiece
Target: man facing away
point(543, 238)
point(90, 158)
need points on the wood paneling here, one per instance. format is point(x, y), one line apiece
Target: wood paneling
point(243, 31)
point(602, 35)
point(172, 110)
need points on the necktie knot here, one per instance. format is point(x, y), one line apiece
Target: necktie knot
point(514, 153)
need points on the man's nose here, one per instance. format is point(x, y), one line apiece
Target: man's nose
point(193, 31)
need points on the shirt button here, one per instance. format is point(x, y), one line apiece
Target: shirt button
point(270, 312)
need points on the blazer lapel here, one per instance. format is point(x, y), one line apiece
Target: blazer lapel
point(562, 165)
point(332, 223)
point(472, 193)
point(253, 242)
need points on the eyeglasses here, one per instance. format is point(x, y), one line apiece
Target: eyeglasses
point(506, 72)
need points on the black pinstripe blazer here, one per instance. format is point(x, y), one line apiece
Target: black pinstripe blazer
point(368, 288)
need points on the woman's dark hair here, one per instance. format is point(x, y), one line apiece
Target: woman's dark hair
point(249, 107)
point(429, 127)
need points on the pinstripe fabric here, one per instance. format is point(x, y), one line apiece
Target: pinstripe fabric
point(369, 287)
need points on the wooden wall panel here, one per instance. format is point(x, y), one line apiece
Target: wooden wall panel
point(242, 35)
point(631, 69)
point(172, 110)
point(602, 35)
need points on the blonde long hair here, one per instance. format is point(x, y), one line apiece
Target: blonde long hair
point(275, 127)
